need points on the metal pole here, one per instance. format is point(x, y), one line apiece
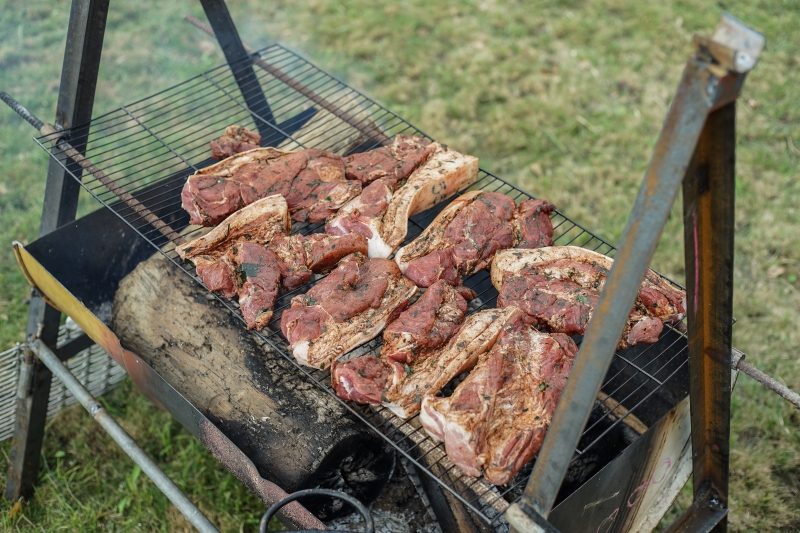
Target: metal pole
point(121, 437)
point(228, 37)
point(769, 382)
point(708, 205)
point(85, 33)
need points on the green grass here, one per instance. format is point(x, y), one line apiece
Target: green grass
point(564, 98)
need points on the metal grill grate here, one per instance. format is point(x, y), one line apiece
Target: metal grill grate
point(151, 146)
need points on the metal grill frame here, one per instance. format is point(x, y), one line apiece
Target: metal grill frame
point(164, 130)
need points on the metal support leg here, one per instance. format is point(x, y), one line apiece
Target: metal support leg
point(228, 37)
point(708, 207)
point(696, 143)
point(75, 99)
point(121, 437)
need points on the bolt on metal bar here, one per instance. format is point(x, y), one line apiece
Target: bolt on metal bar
point(121, 437)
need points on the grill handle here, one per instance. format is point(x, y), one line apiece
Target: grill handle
point(262, 528)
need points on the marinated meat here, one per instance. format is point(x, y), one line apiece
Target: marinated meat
point(400, 386)
point(532, 221)
point(258, 273)
point(363, 215)
point(259, 222)
point(559, 287)
point(496, 419)
point(427, 377)
point(382, 213)
point(218, 273)
point(312, 181)
point(465, 236)
point(236, 139)
point(250, 254)
point(346, 309)
point(396, 162)
point(425, 326)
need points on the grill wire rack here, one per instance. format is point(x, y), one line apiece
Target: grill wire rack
point(149, 148)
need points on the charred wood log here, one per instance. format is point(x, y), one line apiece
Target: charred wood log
point(297, 435)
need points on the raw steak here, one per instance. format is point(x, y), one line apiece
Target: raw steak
point(384, 213)
point(311, 180)
point(559, 286)
point(236, 139)
point(496, 419)
point(346, 309)
point(401, 386)
point(396, 161)
point(465, 236)
point(425, 326)
point(250, 254)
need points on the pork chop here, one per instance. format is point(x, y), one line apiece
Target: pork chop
point(346, 309)
point(496, 419)
point(559, 286)
point(465, 236)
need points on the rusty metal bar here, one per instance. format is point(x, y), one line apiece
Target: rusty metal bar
point(121, 437)
point(708, 205)
point(769, 382)
point(711, 80)
point(68, 150)
point(369, 130)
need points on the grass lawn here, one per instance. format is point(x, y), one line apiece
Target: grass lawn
point(563, 98)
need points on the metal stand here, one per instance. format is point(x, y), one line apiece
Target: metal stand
point(75, 100)
point(697, 150)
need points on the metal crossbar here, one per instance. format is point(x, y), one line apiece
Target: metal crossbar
point(149, 147)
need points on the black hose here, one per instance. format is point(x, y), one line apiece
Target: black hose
point(21, 111)
point(370, 523)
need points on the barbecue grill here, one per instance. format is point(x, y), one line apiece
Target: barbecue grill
point(632, 457)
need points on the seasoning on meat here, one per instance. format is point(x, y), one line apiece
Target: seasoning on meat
point(312, 181)
point(559, 287)
point(496, 419)
point(236, 139)
point(382, 212)
point(396, 161)
point(465, 236)
point(250, 254)
point(404, 385)
point(346, 309)
point(422, 328)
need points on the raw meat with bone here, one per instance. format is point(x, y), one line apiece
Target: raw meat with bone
point(346, 309)
point(559, 286)
point(405, 384)
point(425, 326)
point(496, 419)
point(312, 181)
point(250, 254)
point(382, 214)
point(236, 139)
point(465, 236)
